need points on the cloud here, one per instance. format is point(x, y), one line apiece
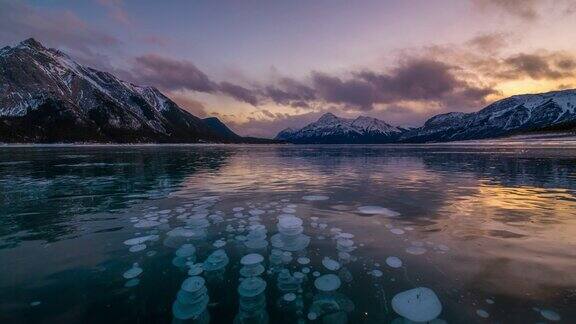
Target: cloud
point(355, 91)
point(535, 66)
point(524, 9)
point(181, 75)
point(116, 11)
point(541, 65)
point(238, 92)
point(156, 40)
point(186, 101)
point(19, 21)
point(60, 29)
point(415, 79)
point(170, 74)
point(288, 91)
point(269, 124)
point(490, 43)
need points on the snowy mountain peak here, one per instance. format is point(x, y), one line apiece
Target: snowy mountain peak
point(46, 96)
point(517, 114)
point(32, 44)
point(328, 118)
point(330, 128)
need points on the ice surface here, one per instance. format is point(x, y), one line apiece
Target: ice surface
point(419, 304)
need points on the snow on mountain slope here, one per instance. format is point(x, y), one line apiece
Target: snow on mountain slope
point(42, 89)
point(554, 111)
point(517, 114)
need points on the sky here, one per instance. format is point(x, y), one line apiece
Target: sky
point(262, 66)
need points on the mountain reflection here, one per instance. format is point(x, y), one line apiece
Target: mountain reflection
point(471, 223)
point(44, 188)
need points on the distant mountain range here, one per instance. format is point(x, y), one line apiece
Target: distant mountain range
point(330, 129)
point(552, 111)
point(46, 97)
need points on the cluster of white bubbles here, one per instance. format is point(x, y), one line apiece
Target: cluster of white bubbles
point(215, 265)
point(192, 301)
point(256, 240)
point(290, 267)
point(290, 236)
point(252, 290)
point(252, 301)
point(329, 304)
point(417, 305)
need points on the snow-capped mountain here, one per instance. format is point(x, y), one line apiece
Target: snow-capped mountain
point(552, 111)
point(45, 96)
point(514, 115)
point(332, 129)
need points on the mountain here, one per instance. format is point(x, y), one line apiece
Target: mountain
point(552, 111)
point(331, 129)
point(45, 97)
point(285, 134)
point(220, 128)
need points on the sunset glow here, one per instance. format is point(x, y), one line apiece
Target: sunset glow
point(263, 66)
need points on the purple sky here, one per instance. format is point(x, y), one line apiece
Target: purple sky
point(262, 66)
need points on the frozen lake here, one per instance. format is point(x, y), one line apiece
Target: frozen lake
point(287, 234)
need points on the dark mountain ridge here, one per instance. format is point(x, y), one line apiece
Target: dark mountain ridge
point(47, 97)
